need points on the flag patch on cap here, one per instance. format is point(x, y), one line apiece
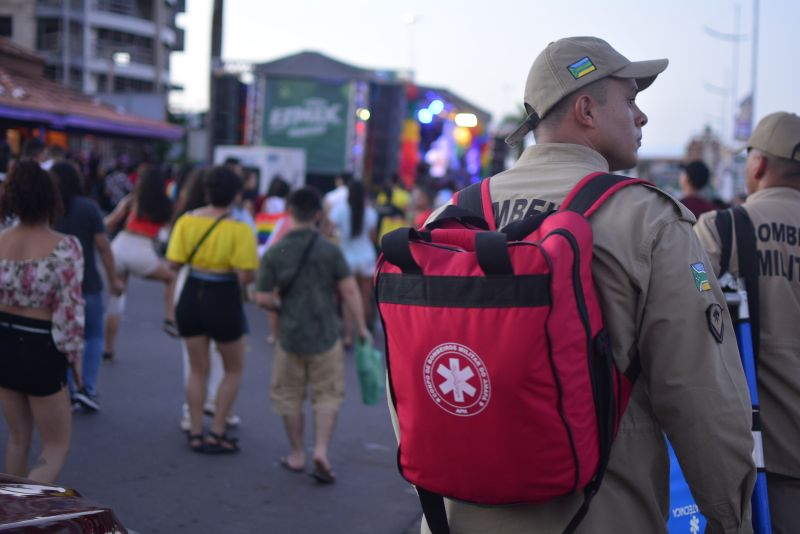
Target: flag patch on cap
point(700, 277)
point(581, 68)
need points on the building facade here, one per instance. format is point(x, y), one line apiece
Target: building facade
point(117, 50)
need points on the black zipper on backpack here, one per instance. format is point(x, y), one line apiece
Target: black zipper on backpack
point(557, 379)
point(577, 288)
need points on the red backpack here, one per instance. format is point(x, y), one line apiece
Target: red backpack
point(500, 369)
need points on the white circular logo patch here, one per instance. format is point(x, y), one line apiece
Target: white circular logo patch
point(457, 379)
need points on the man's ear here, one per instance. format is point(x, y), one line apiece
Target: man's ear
point(583, 108)
point(761, 166)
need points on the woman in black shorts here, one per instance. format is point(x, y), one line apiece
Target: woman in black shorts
point(41, 322)
point(221, 253)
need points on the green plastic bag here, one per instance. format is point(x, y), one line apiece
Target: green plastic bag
point(371, 376)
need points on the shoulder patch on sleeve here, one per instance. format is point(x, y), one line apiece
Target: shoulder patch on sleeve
point(700, 277)
point(716, 324)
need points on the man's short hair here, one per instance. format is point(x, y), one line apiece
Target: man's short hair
point(56, 152)
point(32, 148)
point(786, 169)
point(697, 172)
point(304, 204)
point(597, 90)
point(232, 161)
point(222, 186)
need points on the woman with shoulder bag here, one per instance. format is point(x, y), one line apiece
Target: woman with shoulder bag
point(221, 254)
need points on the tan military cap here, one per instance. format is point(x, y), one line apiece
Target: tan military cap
point(567, 65)
point(778, 134)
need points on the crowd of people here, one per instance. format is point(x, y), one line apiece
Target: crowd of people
point(194, 231)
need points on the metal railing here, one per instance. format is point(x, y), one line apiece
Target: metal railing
point(125, 7)
point(73, 4)
point(54, 42)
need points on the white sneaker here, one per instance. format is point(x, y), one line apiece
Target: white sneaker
point(186, 422)
point(233, 420)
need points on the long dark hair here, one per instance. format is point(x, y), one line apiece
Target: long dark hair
point(355, 197)
point(193, 193)
point(152, 202)
point(70, 183)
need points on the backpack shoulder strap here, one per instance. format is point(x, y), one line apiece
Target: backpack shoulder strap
point(724, 224)
point(748, 269)
point(594, 189)
point(476, 198)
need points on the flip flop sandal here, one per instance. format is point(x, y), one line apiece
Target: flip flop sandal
point(322, 474)
point(222, 444)
point(284, 463)
point(196, 442)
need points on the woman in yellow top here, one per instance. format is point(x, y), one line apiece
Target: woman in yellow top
point(221, 253)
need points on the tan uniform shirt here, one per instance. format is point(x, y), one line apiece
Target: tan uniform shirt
point(775, 213)
point(691, 386)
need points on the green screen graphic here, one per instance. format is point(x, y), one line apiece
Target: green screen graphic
point(311, 115)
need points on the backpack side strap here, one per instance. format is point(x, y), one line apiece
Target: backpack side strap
point(594, 189)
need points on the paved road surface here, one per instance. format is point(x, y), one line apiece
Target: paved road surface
point(133, 457)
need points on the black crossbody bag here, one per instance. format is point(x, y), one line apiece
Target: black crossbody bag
point(205, 236)
point(303, 259)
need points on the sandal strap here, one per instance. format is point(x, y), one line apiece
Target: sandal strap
point(223, 437)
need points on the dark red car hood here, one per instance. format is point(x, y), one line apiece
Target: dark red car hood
point(30, 506)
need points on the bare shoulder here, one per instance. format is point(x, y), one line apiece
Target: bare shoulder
point(21, 243)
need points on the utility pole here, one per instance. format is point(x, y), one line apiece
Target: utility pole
point(754, 59)
point(216, 66)
point(731, 93)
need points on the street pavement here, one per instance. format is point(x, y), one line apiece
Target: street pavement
point(133, 457)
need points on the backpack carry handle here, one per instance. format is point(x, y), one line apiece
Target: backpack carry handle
point(492, 253)
point(396, 246)
point(490, 249)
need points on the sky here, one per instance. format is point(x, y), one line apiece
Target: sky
point(482, 49)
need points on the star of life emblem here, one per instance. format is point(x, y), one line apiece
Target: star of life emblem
point(457, 380)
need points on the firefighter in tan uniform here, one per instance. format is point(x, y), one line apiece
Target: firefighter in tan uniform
point(772, 175)
point(580, 96)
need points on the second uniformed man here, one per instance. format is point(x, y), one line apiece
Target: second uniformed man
point(772, 175)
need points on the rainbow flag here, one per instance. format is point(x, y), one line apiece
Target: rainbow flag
point(265, 225)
